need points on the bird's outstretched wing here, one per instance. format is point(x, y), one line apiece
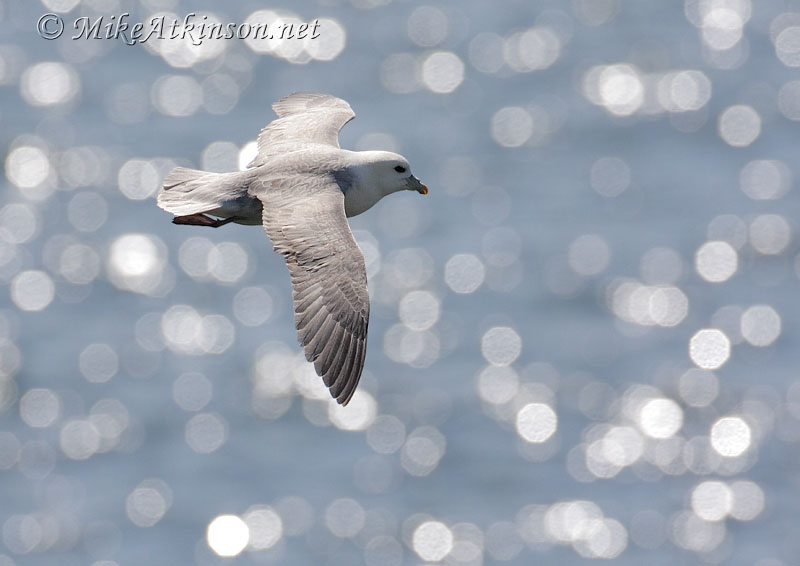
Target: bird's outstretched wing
point(303, 117)
point(304, 217)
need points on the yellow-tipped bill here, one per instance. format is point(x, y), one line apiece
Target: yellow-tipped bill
point(415, 184)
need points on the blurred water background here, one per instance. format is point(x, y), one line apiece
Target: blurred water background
point(583, 340)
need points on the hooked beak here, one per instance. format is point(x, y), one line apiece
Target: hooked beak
point(415, 184)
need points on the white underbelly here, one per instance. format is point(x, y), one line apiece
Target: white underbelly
point(246, 210)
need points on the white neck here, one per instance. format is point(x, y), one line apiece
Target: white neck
point(366, 190)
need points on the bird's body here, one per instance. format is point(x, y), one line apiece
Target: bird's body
point(301, 186)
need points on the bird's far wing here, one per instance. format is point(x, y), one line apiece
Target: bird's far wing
point(329, 280)
point(304, 117)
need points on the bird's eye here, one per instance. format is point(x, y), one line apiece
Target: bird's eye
point(400, 169)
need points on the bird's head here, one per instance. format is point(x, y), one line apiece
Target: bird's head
point(391, 172)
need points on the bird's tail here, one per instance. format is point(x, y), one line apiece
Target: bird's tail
point(189, 191)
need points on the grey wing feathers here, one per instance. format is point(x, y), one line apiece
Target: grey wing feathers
point(303, 117)
point(329, 282)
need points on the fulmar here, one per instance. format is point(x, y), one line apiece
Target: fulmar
point(302, 187)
